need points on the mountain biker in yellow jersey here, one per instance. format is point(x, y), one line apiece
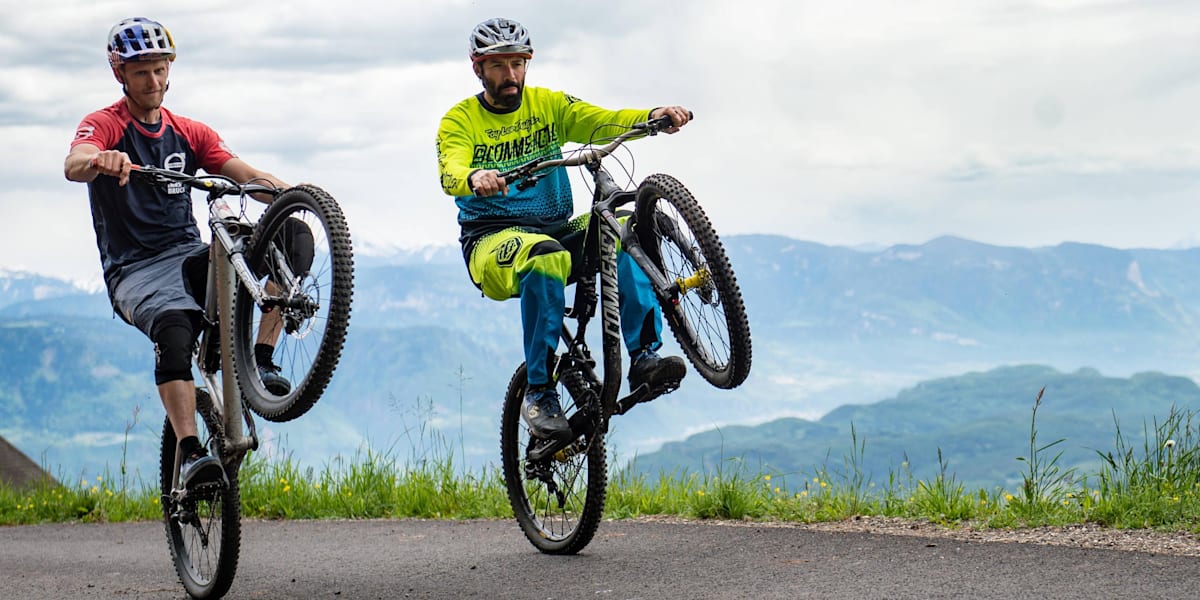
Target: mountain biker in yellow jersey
point(155, 264)
point(520, 243)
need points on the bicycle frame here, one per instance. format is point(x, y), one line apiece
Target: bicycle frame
point(604, 231)
point(226, 267)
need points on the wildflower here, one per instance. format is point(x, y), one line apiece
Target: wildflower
point(804, 494)
point(1008, 497)
point(283, 480)
point(287, 488)
point(823, 484)
point(109, 492)
point(699, 492)
point(1170, 444)
point(766, 477)
point(776, 489)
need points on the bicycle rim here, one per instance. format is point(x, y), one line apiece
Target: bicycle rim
point(707, 315)
point(559, 512)
point(301, 251)
point(204, 531)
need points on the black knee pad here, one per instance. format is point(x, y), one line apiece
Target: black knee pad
point(174, 337)
point(295, 239)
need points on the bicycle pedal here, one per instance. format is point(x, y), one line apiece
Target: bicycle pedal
point(645, 393)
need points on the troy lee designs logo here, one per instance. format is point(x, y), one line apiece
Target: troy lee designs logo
point(85, 132)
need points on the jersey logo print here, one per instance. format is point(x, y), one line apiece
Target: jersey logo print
point(85, 132)
point(176, 161)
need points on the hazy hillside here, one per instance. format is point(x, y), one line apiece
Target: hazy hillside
point(980, 422)
point(426, 353)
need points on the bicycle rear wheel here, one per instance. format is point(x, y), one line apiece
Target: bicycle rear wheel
point(204, 530)
point(558, 501)
point(301, 253)
point(706, 313)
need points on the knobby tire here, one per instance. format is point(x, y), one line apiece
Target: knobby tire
point(708, 321)
point(206, 571)
point(311, 344)
point(583, 479)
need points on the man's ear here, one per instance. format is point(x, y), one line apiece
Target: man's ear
point(478, 70)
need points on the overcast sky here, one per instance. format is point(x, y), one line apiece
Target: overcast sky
point(1024, 123)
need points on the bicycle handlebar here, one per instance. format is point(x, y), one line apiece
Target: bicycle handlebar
point(215, 185)
point(637, 130)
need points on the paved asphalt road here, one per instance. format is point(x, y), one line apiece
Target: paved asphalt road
point(492, 559)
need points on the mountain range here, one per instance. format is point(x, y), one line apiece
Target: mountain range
point(427, 358)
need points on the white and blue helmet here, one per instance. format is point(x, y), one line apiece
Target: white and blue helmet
point(137, 39)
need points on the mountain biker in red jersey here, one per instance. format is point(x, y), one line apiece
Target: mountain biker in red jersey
point(155, 264)
point(521, 243)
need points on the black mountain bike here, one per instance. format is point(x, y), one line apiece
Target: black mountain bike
point(286, 280)
point(557, 487)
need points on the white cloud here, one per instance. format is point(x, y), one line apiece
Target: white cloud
point(1010, 122)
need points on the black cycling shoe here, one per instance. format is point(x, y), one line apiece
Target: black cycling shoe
point(199, 470)
point(544, 415)
point(274, 382)
point(660, 374)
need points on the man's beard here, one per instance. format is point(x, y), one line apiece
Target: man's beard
point(509, 100)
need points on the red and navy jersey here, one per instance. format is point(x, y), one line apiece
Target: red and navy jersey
point(138, 221)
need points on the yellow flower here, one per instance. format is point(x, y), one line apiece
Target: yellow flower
point(777, 489)
point(109, 492)
point(287, 488)
point(283, 480)
point(699, 492)
point(804, 494)
point(766, 477)
point(1008, 497)
point(823, 484)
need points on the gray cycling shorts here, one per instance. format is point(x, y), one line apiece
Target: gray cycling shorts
point(144, 290)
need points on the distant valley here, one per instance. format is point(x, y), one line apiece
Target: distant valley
point(427, 357)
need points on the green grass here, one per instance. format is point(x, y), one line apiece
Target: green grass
point(1155, 485)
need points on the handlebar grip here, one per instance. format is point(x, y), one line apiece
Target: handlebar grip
point(665, 120)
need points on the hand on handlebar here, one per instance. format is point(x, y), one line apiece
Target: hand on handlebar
point(678, 114)
point(488, 183)
point(112, 162)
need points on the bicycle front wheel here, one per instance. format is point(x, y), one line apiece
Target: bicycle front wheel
point(558, 501)
point(705, 311)
point(204, 529)
point(302, 255)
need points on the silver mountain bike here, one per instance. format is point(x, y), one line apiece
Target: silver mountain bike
point(286, 279)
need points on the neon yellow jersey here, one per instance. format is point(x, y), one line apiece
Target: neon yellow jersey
point(475, 136)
